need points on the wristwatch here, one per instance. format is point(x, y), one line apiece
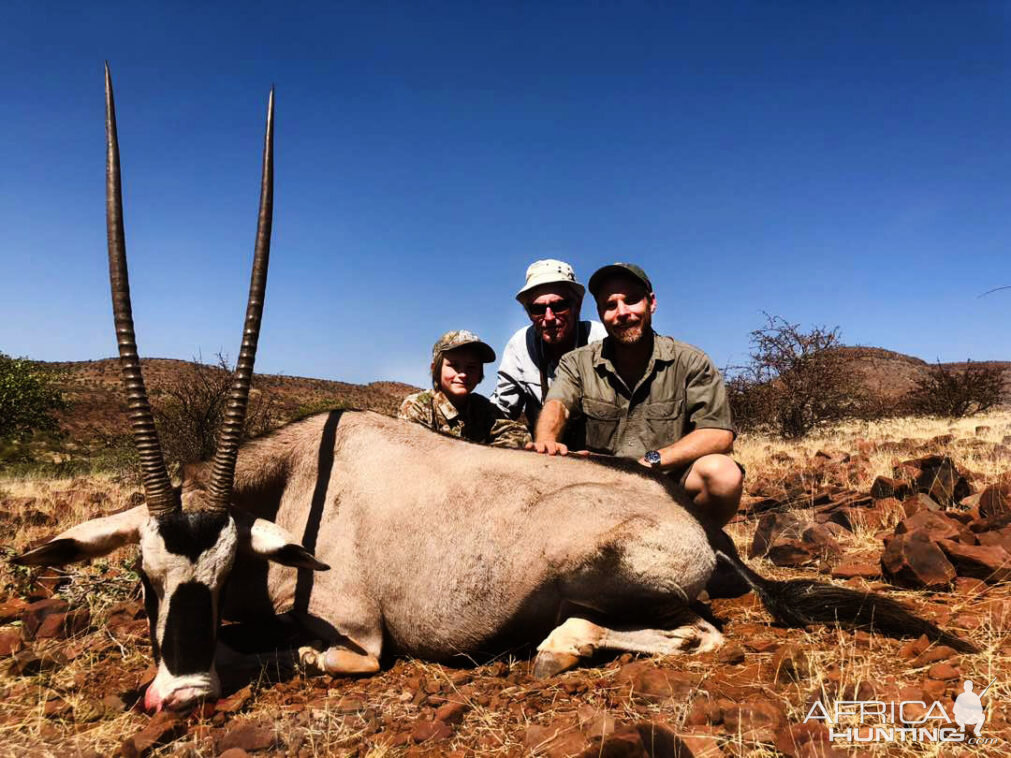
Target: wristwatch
point(652, 457)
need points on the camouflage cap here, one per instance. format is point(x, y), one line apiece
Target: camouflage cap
point(629, 270)
point(461, 338)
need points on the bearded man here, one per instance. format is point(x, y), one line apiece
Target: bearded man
point(645, 396)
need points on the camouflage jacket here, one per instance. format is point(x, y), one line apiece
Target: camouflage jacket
point(480, 421)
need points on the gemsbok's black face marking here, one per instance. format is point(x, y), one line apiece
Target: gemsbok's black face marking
point(191, 617)
point(190, 534)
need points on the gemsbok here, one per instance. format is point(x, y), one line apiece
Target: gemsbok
point(409, 542)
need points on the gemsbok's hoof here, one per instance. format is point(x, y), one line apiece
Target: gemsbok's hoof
point(548, 663)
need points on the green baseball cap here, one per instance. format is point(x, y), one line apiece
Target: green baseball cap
point(629, 270)
point(461, 338)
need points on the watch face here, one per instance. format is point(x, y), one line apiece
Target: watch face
point(652, 457)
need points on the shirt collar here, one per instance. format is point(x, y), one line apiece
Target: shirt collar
point(444, 406)
point(663, 351)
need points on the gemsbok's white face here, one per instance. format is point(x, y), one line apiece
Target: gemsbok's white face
point(186, 557)
point(187, 543)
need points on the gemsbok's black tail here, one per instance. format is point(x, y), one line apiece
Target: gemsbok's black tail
point(800, 602)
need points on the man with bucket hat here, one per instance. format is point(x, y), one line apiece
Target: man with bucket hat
point(451, 406)
point(551, 297)
point(645, 396)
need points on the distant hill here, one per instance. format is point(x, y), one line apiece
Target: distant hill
point(98, 407)
point(890, 375)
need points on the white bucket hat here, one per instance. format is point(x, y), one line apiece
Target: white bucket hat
point(550, 271)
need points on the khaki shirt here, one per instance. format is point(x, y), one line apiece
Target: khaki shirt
point(481, 421)
point(680, 392)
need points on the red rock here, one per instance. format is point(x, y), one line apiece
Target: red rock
point(451, 713)
point(790, 664)
point(933, 654)
point(29, 663)
point(697, 746)
point(807, 740)
point(913, 560)
point(934, 689)
point(555, 740)
point(12, 609)
point(937, 525)
point(918, 503)
point(817, 541)
point(650, 683)
point(999, 537)
point(350, 705)
point(35, 613)
point(425, 730)
point(989, 563)
point(995, 500)
point(234, 702)
point(63, 625)
point(887, 487)
point(249, 736)
point(850, 569)
point(234, 752)
point(10, 642)
point(915, 647)
point(756, 715)
point(163, 728)
point(772, 526)
point(943, 671)
point(56, 708)
point(731, 654)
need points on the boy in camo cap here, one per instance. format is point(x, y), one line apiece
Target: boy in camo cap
point(451, 406)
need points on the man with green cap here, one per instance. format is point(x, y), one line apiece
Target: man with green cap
point(451, 406)
point(645, 396)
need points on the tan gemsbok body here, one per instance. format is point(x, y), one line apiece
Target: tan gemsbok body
point(435, 547)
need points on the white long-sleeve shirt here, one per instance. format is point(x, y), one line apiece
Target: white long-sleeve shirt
point(518, 389)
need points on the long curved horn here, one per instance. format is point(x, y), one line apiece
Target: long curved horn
point(160, 496)
point(223, 472)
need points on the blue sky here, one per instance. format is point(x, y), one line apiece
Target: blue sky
point(834, 163)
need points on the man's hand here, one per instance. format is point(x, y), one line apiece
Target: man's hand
point(549, 430)
point(549, 447)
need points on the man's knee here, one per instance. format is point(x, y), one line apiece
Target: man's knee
point(719, 474)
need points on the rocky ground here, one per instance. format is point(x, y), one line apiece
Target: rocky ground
point(919, 513)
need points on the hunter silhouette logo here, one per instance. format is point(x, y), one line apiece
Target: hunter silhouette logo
point(865, 721)
point(968, 708)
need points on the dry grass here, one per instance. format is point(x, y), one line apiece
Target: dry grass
point(319, 716)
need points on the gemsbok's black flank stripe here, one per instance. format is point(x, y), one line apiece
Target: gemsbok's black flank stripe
point(190, 630)
point(190, 534)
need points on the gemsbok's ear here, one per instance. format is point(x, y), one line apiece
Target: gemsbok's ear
point(267, 540)
point(92, 539)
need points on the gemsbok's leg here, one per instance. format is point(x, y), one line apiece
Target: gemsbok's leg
point(577, 638)
point(353, 649)
point(338, 659)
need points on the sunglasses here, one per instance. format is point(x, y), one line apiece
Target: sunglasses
point(559, 306)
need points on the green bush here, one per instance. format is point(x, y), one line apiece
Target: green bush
point(28, 398)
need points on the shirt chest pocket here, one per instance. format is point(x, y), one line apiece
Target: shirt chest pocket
point(602, 420)
point(664, 420)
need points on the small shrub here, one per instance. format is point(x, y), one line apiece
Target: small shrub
point(953, 392)
point(795, 380)
point(189, 411)
point(28, 398)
